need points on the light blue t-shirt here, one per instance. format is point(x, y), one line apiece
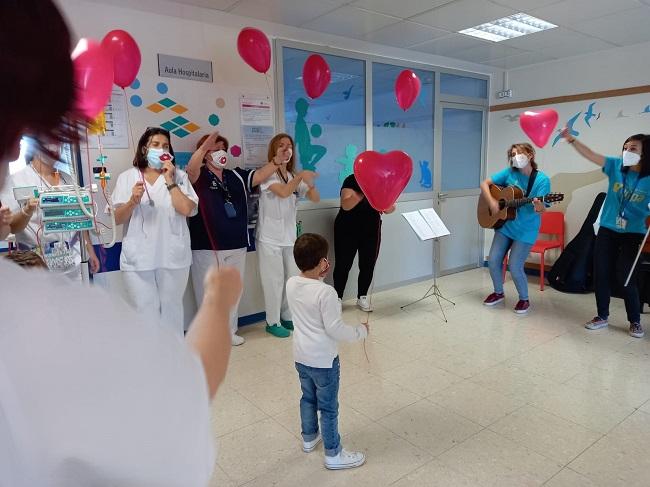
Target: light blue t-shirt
point(627, 194)
point(525, 227)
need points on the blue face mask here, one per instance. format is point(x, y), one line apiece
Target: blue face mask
point(155, 157)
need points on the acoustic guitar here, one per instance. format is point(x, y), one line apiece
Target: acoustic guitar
point(509, 198)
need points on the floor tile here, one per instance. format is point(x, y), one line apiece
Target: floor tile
point(249, 452)
point(421, 377)
point(476, 403)
point(232, 411)
point(377, 397)
point(490, 459)
point(546, 434)
point(430, 427)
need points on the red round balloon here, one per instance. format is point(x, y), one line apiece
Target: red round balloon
point(93, 72)
point(254, 48)
point(383, 177)
point(407, 89)
point(316, 76)
point(126, 56)
point(539, 125)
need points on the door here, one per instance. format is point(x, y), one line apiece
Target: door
point(457, 186)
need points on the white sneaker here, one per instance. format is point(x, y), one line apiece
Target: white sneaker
point(345, 459)
point(310, 446)
point(364, 304)
point(237, 340)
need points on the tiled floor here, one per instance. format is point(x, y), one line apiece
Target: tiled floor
point(488, 399)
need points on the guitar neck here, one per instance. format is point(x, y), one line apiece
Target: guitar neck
point(519, 202)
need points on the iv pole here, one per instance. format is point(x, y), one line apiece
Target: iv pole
point(75, 153)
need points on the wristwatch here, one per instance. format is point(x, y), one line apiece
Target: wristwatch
point(172, 186)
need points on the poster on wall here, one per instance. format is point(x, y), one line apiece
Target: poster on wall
point(256, 128)
point(117, 124)
point(256, 132)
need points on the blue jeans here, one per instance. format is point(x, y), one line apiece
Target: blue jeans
point(518, 253)
point(320, 390)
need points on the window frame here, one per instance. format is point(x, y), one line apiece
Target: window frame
point(279, 117)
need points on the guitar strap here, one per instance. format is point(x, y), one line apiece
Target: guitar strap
point(531, 182)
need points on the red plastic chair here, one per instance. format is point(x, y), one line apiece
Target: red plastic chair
point(552, 224)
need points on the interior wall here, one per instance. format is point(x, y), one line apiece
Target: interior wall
point(621, 67)
point(161, 26)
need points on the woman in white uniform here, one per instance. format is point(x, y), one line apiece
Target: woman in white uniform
point(153, 201)
point(276, 231)
point(27, 224)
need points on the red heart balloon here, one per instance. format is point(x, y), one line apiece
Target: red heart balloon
point(407, 89)
point(316, 76)
point(383, 177)
point(539, 125)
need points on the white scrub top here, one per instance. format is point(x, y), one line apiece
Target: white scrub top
point(155, 237)
point(276, 224)
point(93, 394)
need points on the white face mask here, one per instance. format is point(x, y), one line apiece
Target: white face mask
point(219, 159)
point(520, 161)
point(630, 158)
point(289, 154)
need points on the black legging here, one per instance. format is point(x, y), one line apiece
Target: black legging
point(614, 254)
point(350, 238)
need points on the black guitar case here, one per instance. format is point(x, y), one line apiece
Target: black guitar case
point(573, 270)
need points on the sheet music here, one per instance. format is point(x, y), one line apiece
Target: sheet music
point(419, 225)
point(433, 220)
point(426, 224)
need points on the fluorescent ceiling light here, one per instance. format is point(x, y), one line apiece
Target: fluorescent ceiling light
point(516, 25)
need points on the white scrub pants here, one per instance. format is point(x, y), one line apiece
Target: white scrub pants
point(203, 260)
point(276, 266)
point(159, 293)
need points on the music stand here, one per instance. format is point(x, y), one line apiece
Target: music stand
point(428, 226)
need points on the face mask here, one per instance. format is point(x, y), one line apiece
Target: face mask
point(219, 158)
point(520, 161)
point(156, 157)
point(630, 158)
point(289, 153)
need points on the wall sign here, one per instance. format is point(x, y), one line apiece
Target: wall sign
point(184, 68)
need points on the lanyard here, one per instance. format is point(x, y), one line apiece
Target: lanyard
point(286, 180)
point(279, 173)
point(625, 199)
point(221, 185)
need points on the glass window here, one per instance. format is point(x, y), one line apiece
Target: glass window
point(452, 84)
point(330, 131)
point(410, 131)
point(462, 145)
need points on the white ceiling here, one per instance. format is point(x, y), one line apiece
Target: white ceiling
point(431, 25)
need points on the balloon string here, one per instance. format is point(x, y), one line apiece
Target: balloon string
point(268, 84)
point(372, 289)
point(128, 118)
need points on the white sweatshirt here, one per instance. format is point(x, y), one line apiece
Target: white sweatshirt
point(317, 321)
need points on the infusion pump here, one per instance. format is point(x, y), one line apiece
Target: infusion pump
point(64, 208)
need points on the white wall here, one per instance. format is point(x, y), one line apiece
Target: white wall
point(612, 69)
point(165, 27)
point(605, 70)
